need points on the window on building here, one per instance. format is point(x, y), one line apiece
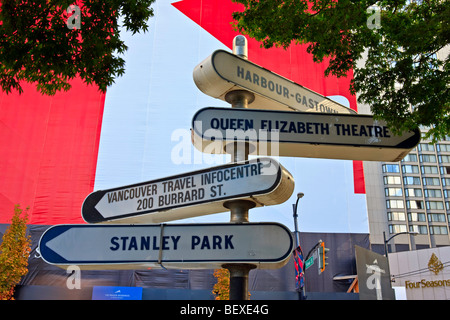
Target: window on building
point(426, 147)
point(416, 216)
point(436, 217)
point(443, 147)
point(438, 230)
point(419, 229)
point(414, 204)
point(429, 169)
point(411, 157)
point(431, 182)
point(396, 216)
point(413, 192)
point(397, 228)
point(444, 159)
point(409, 168)
point(393, 192)
point(391, 168)
point(392, 180)
point(446, 181)
point(433, 193)
point(408, 180)
point(427, 158)
point(438, 205)
point(445, 170)
point(395, 204)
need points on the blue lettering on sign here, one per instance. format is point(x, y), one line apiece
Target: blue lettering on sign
point(133, 243)
point(144, 243)
point(214, 242)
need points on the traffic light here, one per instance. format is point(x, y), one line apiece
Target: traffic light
point(322, 251)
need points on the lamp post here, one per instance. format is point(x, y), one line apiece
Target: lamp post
point(414, 233)
point(294, 208)
point(297, 238)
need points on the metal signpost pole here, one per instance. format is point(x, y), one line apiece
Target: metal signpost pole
point(239, 209)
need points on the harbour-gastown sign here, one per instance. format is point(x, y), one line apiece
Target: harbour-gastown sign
point(301, 134)
point(223, 72)
point(263, 181)
point(179, 246)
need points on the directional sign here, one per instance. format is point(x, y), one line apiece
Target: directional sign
point(263, 181)
point(179, 246)
point(301, 134)
point(223, 72)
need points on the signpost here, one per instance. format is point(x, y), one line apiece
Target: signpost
point(223, 72)
point(177, 246)
point(301, 134)
point(240, 245)
point(262, 181)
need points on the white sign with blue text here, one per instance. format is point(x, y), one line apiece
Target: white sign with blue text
point(301, 134)
point(178, 246)
point(191, 194)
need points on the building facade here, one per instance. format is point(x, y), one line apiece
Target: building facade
point(411, 195)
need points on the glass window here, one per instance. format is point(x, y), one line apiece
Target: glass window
point(413, 192)
point(391, 168)
point(395, 204)
point(419, 229)
point(396, 215)
point(436, 217)
point(439, 205)
point(426, 147)
point(444, 159)
point(411, 180)
point(445, 170)
point(429, 169)
point(416, 216)
point(443, 147)
point(427, 158)
point(433, 193)
point(411, 157)
point(410, 168)
point(392, 180)
point(393, 192)
point(431, 182)
point(446, 181)
point(397, 228)
point(438, 230)
point(414, 204)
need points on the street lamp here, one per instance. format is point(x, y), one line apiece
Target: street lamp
point(414, 233)
point(294, 208)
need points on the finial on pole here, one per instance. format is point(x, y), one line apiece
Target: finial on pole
point(240, 46)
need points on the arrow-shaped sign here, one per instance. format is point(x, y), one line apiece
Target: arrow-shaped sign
point(301, 134)
point(223, 72)
point(263, 181)
point(180, 246)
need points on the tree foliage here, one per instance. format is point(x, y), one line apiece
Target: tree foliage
point(221, 289)
point(402, 79)
point(14, 252)
point(38, 46)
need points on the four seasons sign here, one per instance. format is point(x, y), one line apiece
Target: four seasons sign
point(435, 266)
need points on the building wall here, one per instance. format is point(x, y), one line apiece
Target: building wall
point(411, 195)
point(411, 270)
